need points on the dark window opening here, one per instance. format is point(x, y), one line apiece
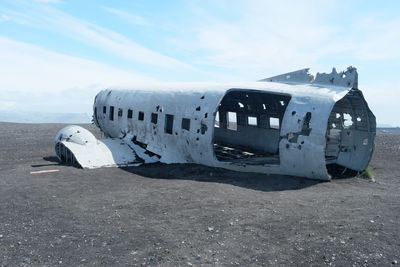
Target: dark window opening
point(111, 115)
point(186, 124)
point(154, 118)
point(203, 128)
point(95, 116)
point(104, 109)
point(130, 113)
point(247, 127)
point(120, 112)
point(306, 124)
point(141, 116)
point(169, 122)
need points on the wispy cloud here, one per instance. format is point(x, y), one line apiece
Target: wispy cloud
point(269, 36)
point(9, 15)
point(6, 105)
point(39, 78)
point(45, 70)
point(127, 16)
point(48, 1)
point(381, 98)
point(45, 17)
point(378, 38)
point(265, 37)
point(4, 17)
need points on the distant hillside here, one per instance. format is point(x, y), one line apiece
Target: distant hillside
point(37, 117)
point(383, 125)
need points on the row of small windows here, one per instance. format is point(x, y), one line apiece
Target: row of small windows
point(169, 119)
point(231, 121)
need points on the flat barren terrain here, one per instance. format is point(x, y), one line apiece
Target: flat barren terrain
point(189, 214)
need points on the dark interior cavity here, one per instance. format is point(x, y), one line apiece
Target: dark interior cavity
point(247, 127)
point(65, 155)
point(350, 136)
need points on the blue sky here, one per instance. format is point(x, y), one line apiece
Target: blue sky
point(56, 54)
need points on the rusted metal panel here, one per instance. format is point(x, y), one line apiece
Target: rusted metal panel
point(179, 123)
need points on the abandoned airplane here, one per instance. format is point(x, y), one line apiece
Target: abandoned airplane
point(292, 124)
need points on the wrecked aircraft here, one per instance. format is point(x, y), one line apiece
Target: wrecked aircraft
point(294, 124)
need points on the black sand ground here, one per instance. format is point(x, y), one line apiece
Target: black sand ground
point(189, 214)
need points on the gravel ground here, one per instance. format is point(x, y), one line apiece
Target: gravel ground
point(189, 214)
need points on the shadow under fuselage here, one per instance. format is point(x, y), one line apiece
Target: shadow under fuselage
point(200, 173)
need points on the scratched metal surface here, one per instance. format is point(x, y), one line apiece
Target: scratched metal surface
point(199, 103)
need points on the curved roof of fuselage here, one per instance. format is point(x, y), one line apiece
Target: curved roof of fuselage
point(324, 91)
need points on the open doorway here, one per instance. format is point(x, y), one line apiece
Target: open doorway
point(247, 127)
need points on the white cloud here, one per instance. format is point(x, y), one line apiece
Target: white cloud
point(52, 19)
point(38, 78)
point(5, 105)
point(4, 17)
point(24, 65)
point(378, 38)
point(265, 37)
point(272, 37)
point(382, 100)
point(48, 1)
point(8, 15)
point(127, 16)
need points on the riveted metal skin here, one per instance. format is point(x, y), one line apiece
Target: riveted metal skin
point(176, 123)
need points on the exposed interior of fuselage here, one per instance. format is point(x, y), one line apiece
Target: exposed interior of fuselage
point(247, 127)
point(350, 136)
